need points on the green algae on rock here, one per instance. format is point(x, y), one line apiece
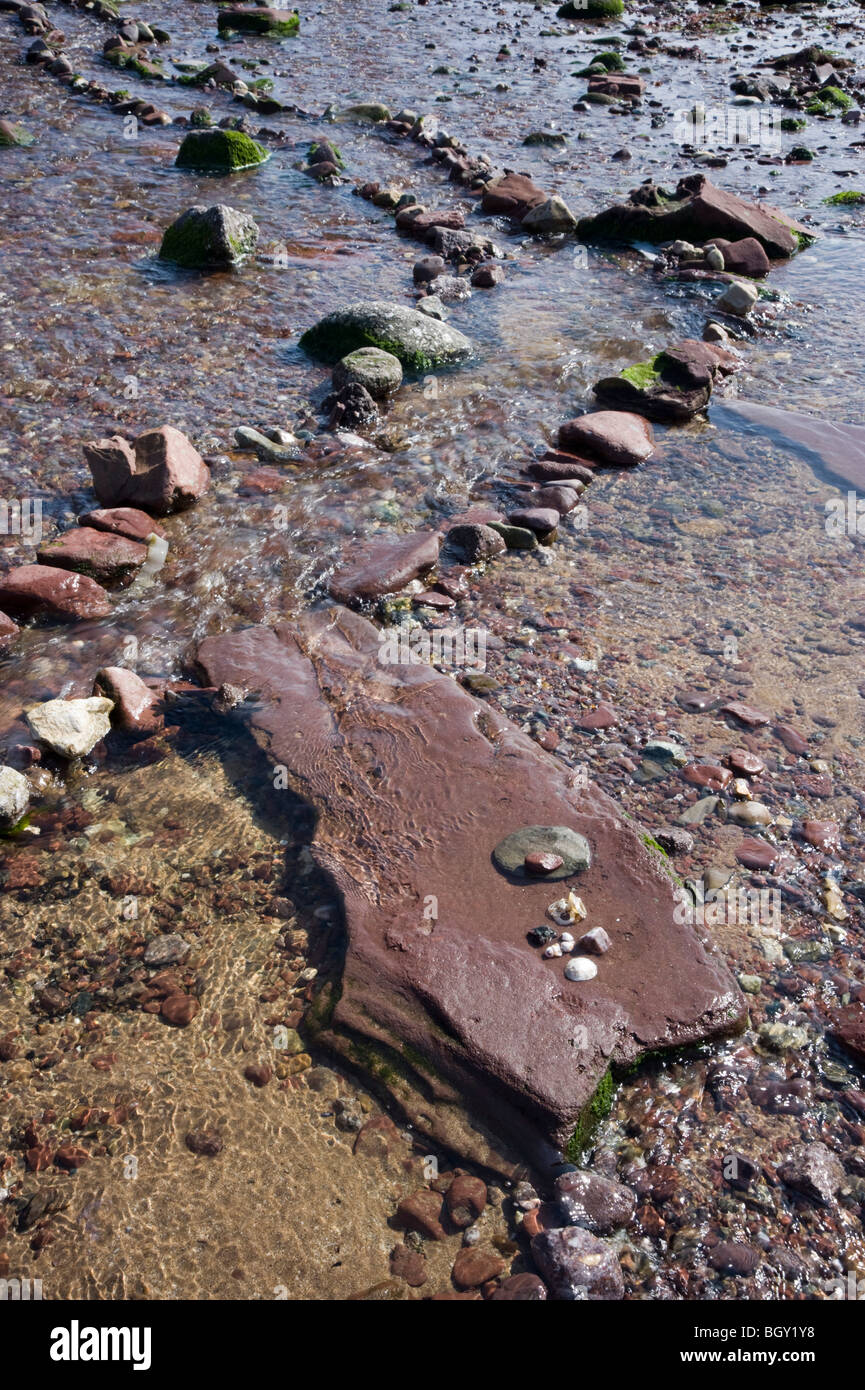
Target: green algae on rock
point(227, 151)
point(591, 9)
point(209, 236)
point(12, 134)
point(372, 111)
point(420, 342)
point(258, 19)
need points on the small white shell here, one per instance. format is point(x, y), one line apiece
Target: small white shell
point(580, 968)
point(565, 911)
point(553, 950)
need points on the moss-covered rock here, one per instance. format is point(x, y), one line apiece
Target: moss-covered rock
point(221, 150)
point(203, 237)
point(372, 111)
point(258, 19)
point(12, 134)
point(591, 9)
point(849, 198)
point(420, 342)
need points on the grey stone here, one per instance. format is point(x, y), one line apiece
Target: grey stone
point(573, 849)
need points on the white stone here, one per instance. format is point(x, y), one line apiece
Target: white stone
point(552, 216)
point(580, 968)
point(738, 298)
point(14, 796)
point(714, 258)
point(71, 728)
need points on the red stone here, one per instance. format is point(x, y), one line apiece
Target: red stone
point(422, 1212)
point(161, 472)
point(383, 565)
point(757, 854)
point(512, 194)
point(822, 834)
point(615, 437)
point(707, 775)
point(259, 1073)
point(123, 521)
point(538, 519)
point(136, 706)
point(8, 631)
point(179, 1009)
point(33, 591)
point(791, 738)
point(409, 1265)
point(541, 863)
point(745, 764)
point(475, 1264)
point(465, 1199)
point(604, 717)
point(746, 714)
point(523, 1288)
point(110, 559)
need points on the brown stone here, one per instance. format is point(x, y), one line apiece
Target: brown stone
point(523, 1288)
point(123, 521)
point(40, 591)
point(409, 1265)
point(744, 257)
point(512, 194)
point(384, 565)
point(848, 1028)
point(8, 631)
point(616, 437)
point(604, 717)
point(259, 1074)
point(204, 1141)
point(707, 775)
point(422, 1212)
point(744, 764)
point(538, 519)
point(110, 559)
point(746, 714)
point(757, 854)
point(541, 863)
point(465, 1199)
point(136, 706)
point(475, 1264)
point(179, 1009)
point(414, 784)
point(160, 473)
point(791, 738)
point(822, 834)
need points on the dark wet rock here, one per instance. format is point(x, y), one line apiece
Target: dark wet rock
point(513, 195)
point(572, 848)
point(609, 436)
point(420, 223)
point(379, 750)
point(848, 1028)
point(258, 19)
point(420, 343)
point(515, 537)
point(379, 372)
point(474, 541)
point(779, 1097)
point(485, 276)
point(598, 1204)
point(549, 218)
point(465, 1199)
point(814, 1171)
point(464, 245)
point(179, 1009)
point(384, 565)
point(476, 1265)
point(204, 1141)
point(743, 763)
point(674, 840)
point(136, 706)
point(8, 631)
point(744, 257)
point(734, 1257)
point(325, 152)
point(350, 408)
point(219, 73)
point(618, 84)
point(562, 499)
point(541, 520)
point(123, 521)
point(520, 1288)
point(40, 591)
point(204, 237)
point(408, 1264)
point(222, 151)
point(160, 473)
point(422, 1212)
point(575, 1265)
point(428, 268)
point(673, 385)
point(697, 212)
point(110, 559)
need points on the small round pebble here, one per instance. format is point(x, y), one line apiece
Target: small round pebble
point(540, 863)
point(580, 968)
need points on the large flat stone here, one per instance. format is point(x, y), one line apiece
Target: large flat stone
point(383, 565)
point(835, 449)
point(443, 1001)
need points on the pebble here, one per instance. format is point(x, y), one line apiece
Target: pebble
point(71, 728)
point(581, 968)
point(543, 863)
point(596, 942)
point(14, 797)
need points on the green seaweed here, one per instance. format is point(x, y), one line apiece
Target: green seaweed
point(591, 1115)
point(643, 374)
point(849, 196)
point(226, 150)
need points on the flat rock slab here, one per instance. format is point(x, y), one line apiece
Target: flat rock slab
point(574, 850)
point(835, 449)
point(106, 557)
point(40, 591)
point(384, 565)
point(442, 999)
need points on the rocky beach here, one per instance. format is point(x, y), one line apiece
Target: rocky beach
point(432, 617)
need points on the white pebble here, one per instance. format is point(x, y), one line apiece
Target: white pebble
point(553, 950)
point(580, 968)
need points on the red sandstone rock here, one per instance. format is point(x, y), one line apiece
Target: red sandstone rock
point(8, 631)
point(123, 521)
point(110, 559)
point(384, 565)
point(41, 591)
point(136, 706)
point(413, 788)
point(611, 436)
point(161, 472)
point(512, 194)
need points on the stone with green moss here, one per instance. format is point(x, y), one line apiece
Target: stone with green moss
point(643, 374)
point(225, 151)
point(597, 1109)
point(848, 198)
point(258, 19)
point(204, 237)
point(591, 9)
point(372, 111)
point(789, 124)
point(11, 134)
point(421, 343)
